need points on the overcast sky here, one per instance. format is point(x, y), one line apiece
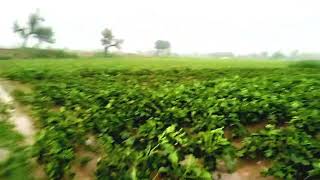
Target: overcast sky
point(240, 26)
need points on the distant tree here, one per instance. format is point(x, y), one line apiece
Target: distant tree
point(34, 29)
point(278, 55)
point(162, 46)
point(109, 41)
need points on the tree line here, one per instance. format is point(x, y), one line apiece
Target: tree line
point(36, 30)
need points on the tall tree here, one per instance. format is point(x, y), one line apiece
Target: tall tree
point(162, 46)
point(109, 40)
point(34, 29)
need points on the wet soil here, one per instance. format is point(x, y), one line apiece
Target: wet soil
point(246, 169)
point(22, 122)
point(20, 119)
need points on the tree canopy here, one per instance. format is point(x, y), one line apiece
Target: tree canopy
point(109, 40)
point(162, 45)
point(34, 29)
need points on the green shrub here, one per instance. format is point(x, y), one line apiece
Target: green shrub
point(30, 53)
point(5, 57)
point(306, 64)
point(47, 53)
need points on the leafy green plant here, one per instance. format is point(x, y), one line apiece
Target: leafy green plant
point(170, 124)
point(294, 153)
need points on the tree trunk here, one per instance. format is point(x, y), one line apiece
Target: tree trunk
point(106, 51)
point(25, 42)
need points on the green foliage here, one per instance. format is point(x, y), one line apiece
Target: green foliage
point(34, 53)
point(134, 63)
point(306, 64)
point(109, 40)
point(170, 123)
point(34, 29)
point(295, 154)
point(160, 44)
point(44, 34)
point(169, 155)
point(47, 53)
point(5, 57)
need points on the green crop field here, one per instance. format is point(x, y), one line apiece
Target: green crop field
point(135, 63)
point(171, 118)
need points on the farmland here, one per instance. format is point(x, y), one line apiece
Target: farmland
point(170, 118)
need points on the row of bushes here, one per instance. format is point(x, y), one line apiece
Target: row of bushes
point(306, 64)
point(28, 53)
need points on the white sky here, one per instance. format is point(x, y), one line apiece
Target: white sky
point(240, 26)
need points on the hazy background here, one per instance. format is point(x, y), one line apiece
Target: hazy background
point(192, 26)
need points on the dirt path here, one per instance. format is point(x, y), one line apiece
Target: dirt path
point(24, 125)
point(4, 154)
point(22, 122)
point(4, 95)
point(246, 170)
